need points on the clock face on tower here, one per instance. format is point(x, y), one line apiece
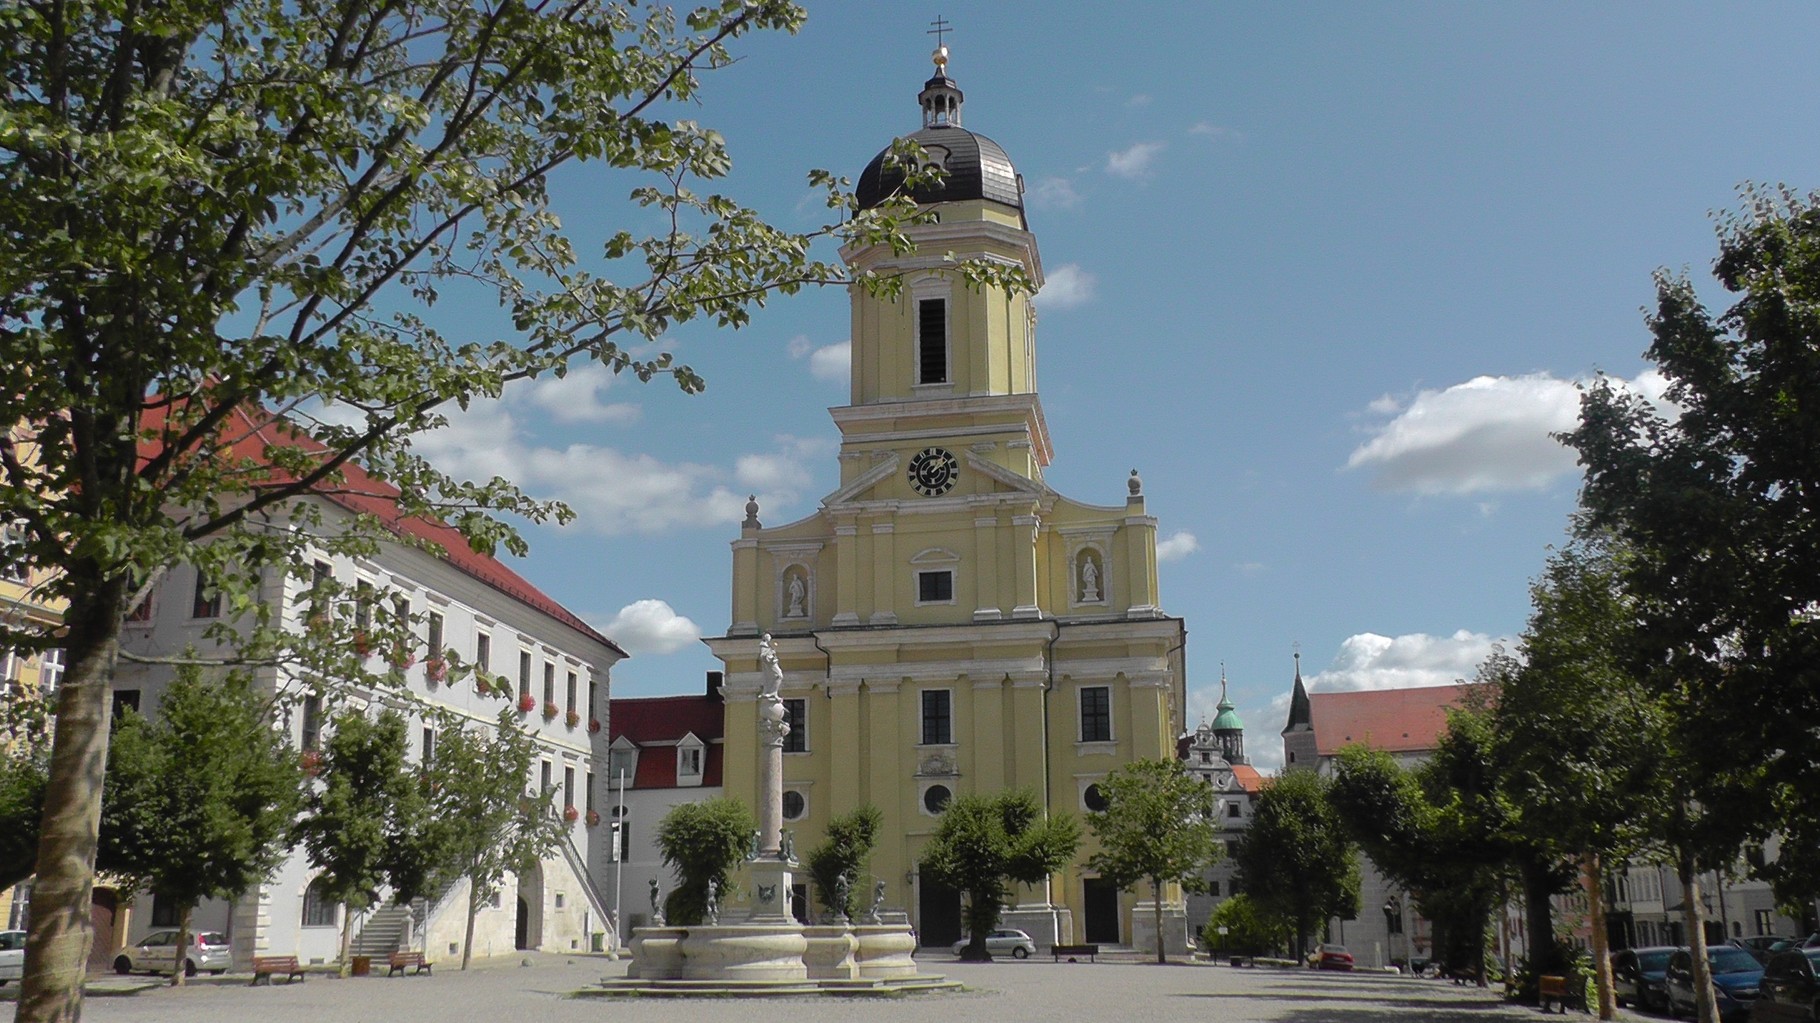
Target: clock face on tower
point(933, 471)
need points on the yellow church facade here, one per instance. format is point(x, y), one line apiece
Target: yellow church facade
point(947, 623)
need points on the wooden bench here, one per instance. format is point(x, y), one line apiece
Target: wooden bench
point(401, 961)
point(1551, 988)
point(1074, 951)
point(267, 967)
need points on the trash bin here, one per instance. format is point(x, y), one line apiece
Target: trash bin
point(363, 966)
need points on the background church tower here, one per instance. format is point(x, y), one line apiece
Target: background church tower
point(947, 623)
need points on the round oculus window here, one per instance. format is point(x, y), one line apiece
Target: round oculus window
point(794, 805)
point(936, 797)
point(1094, 799)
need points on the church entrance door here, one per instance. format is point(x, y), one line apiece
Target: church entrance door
point(938, 918)
point(1102, 911)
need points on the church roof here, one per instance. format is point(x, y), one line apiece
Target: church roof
point(977, 169)
point(1393, 720)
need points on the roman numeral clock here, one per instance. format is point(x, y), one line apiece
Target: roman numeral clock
point(933, 472)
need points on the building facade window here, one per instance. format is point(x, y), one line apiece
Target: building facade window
point(142, 612)
point(318, 910)
point(796, 805)
point(572, 690)
point(568, 786)
point(796, 715)
point(524, 673)
point(483, 652)
point(1094, 799)
point(13, 566)
point(1232, 809)
point(938, 717)
point(936, 799)
point(206, 601)
point(932, 341)
point(688, 761)
point(622, 833)
point(1096, 714)
point(50, 670)
point(363, 605)
point(125, 700)
point(936, 587)
point(164, 911)
point(544, 779)
point(549, 684)
point(432, 627)
point(309, 735)
point(429, 747)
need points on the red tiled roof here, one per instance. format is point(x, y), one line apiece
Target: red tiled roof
point(1248, 778)
point(359, 492)
point(655, 723)
point(1393, 720)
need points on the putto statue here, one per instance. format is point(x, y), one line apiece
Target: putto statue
point(657, 904)
point(712, 913)
point(771, 723)
point(875, 915)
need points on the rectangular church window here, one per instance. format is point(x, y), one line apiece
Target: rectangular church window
point(935, 587)
point(1096, 714)
point(938, 717)
point(796, 715)
point(932, 341)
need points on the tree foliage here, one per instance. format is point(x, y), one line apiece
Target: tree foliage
point(486, 821)
point(25, 753)
point(1158, 826)
point(1715, 508)
point(845, 851)
point(1296, 860)
point(367, 827)
point(703, 842)
point(219, 210)
point(199, 801)
point(984, 843)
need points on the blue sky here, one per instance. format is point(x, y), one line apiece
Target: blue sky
point(1326, 275)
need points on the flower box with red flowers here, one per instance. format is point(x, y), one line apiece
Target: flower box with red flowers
point(570, 814)
point(402, 659)
point(362, 645)
point(574, 718)
point(550, 710)
point(526, 704)
point(593, 818)
point(435, 669)
point(311, 762)
point(593, 725)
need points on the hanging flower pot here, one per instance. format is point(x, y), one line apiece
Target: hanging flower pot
point(526, 704)
point(435, 670)
point(362, 645)
point(593, 725)
point(550, 710)
point(574, 718)
point(570, 814)
point(593, 818)
point(311, 762)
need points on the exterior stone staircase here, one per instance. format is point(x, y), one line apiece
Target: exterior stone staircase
point(384, 931)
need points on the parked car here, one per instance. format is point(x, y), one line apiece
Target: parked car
point(1331, 957)
point(1761, 945)
point(1638, 976)
point(1789, 989)
point(1004, 941)
point(157, 953)
point(12, 955)
point(1736, 974)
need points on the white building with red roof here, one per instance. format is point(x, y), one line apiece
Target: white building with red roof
point(464, 605)
point(664, 751)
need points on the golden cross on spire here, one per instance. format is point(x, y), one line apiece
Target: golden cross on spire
point(941, 26)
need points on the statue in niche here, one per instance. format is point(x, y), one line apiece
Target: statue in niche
point(798, 593)
point(1090, 580)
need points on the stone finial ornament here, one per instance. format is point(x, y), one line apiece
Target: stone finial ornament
point(1135, 484)
point(752, 510)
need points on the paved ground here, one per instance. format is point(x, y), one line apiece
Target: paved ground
point(1002, 992)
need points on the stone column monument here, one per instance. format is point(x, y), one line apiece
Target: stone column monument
point(773, 861)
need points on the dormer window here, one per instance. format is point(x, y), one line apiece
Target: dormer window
point(691, 753)
point(622, 761)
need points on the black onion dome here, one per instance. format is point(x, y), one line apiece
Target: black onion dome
point(977, 169)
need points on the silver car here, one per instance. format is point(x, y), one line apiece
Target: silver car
point(12, 955)
point(1005, 940)
point(157, 953)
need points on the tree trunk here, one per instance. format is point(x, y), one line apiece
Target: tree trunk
point(1601, 953)
point(183, 944)
point(1538, 920)
point(1705, 1010)
point(1156, 889)
point(467, 942)
point(347, 939)
point(61, 934)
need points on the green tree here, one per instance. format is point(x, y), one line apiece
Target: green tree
point(200, 799)
point(488, 822)
point(984, 843)
point(1158, 826)
point(703, 842)
point(1248, 931)
point(1722, 539)
point(25, 752)
point(845, 851)
point(366, 824)
point(1296, 860)
point(216, 208)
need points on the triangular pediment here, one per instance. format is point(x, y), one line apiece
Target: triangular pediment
point(872, 477)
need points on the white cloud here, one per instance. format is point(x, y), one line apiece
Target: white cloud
point(1133, 162)
point(1178, 545)
point(1065, 287)
point(650, 627)
point(1139, 100)
point(576, 398)
point(1371, 661)
point(827, 362)
point(615, 492)
point(1489, 433)
point(1208, 129)
point(832, 362)
point(1054, 194)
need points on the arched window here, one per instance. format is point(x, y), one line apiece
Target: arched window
point(318, 908)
